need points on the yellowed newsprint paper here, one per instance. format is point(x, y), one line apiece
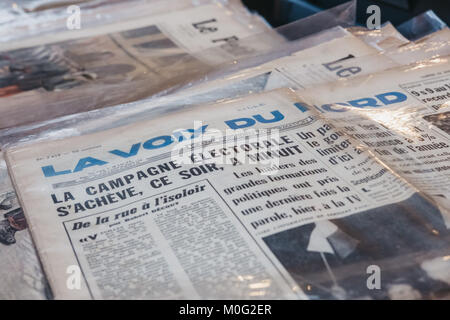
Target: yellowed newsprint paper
point(336, 60)
point(401, 115)
point(259, 197)
point(90, 68)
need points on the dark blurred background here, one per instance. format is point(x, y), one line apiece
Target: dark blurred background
point(279, 12)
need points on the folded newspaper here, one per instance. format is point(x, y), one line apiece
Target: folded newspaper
point(21, 274)
point(78, 70)
point(258, 197)
point(340, 58)
point(402, 117)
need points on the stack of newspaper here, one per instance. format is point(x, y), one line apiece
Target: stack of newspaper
point(187, 150)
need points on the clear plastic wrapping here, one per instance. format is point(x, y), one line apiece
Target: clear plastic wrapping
point(327, 258)
point(320, 205)
point(97, 67)
point(21, 272)
point(406, 107)
point(26, 20)
point(421, 26)
point(340, 193)
point(277, 73)
point(401, 118)
point(434, 45)
point(133, 59)
point(385, 37)
point(226, 85)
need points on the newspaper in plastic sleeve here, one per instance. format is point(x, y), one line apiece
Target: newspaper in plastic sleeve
point(302, 69)
point(232, 85)
point(347, 57)
point(98, 68)
point(37, 5)
point(401, 115)
point(350, 58)
point(316, 68)
point(37, 18)
point(20, 270)
point(259, 197)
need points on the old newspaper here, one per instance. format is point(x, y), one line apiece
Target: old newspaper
point(335, 60)
point(402, 117)
point(259, 197)
point(95, 67)
point(21, 274)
